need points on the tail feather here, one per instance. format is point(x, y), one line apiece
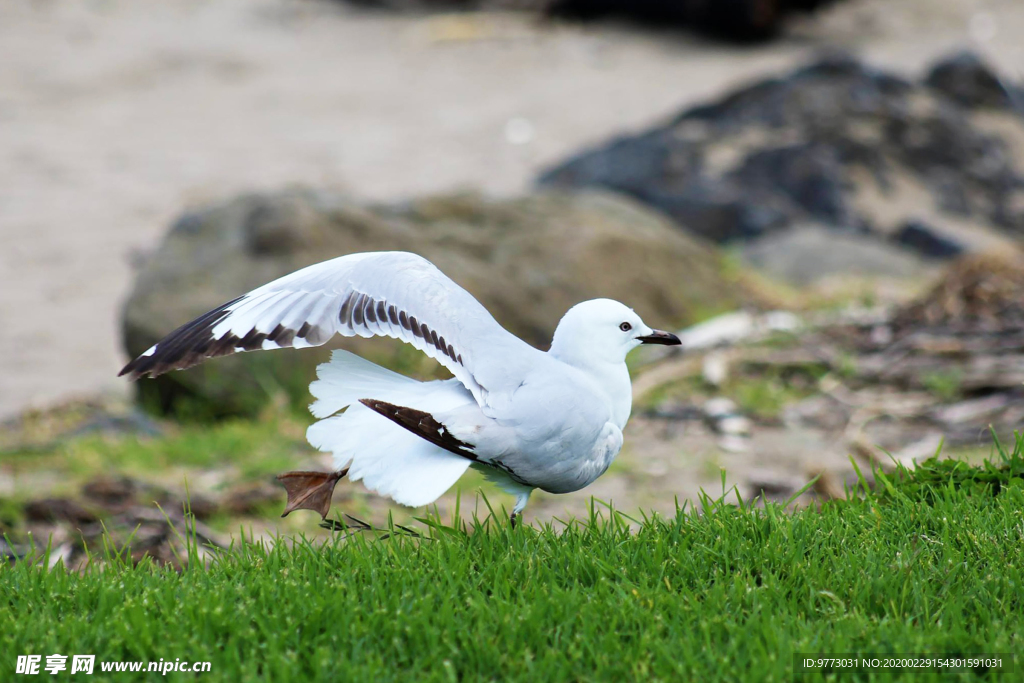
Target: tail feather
point(388, 459)
point(347, 378)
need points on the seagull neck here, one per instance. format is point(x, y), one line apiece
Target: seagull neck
point(611, 377)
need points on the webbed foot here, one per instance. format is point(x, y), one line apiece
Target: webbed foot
point(310, 490)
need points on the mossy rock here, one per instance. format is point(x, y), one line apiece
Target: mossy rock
point(526, 259)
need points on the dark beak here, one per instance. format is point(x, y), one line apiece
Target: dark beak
point(659, 337)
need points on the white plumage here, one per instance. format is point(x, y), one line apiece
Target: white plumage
point(527, 418)
point(389, 460)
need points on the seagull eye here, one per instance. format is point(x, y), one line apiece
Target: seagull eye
point(625, 327)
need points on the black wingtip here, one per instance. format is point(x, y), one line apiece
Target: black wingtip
point(132, 370)
point(189, 345)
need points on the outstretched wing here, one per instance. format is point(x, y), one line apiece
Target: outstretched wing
point(392, 294)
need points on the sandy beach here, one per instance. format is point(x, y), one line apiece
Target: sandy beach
point(116, 115)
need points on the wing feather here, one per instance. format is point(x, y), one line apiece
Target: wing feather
point(392, 294)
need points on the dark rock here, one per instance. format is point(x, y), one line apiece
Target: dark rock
point(720, 213)
point(966, 78)
point(112, 493)
point(675, 411)
point(58, 509)
point(829, 143)
point(528, 260)
point(772, 485)
point(737, 20)
point(928, 242)
point(809, 176)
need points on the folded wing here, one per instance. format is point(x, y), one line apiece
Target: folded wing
point(391, 294)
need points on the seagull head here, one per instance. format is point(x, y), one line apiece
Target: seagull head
point(604, 330)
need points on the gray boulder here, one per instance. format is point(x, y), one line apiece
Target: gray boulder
point(808, 255)
point(966, 78)
point(528, 260)
point(927, 241)
point(817, 145)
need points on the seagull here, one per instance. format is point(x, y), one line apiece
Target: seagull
point(528, 419)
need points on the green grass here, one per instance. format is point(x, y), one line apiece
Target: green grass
point(256, 447)
point(766, 396)
point(930, 562)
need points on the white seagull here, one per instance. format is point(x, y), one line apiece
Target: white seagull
point(528, 419)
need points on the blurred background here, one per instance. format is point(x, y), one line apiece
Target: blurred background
point(831, 190)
